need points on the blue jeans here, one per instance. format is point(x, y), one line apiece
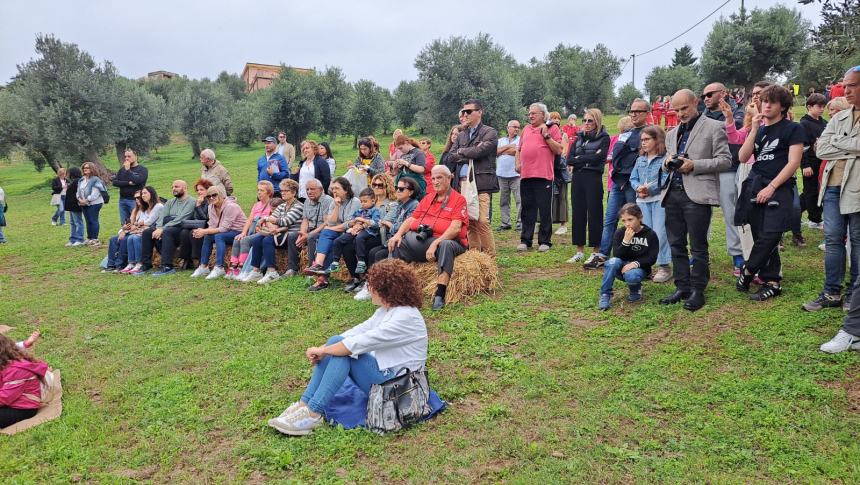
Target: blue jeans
point(654, 216)
point(331, 372)
point(325, 243)
point(2, 236)
point(836, 227)
point(220, 240)
point(91, 215)
point(134, 244)
point(125, 208)
point(60, 215)
point(617, 198)
point(117, 252)
point(612, 270)
point(76, 231)
point(263, 252)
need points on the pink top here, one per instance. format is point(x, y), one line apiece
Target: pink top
point(261, 209)
point(737, 137)
point(535, 155)
point(231, 218)
point(20, 384)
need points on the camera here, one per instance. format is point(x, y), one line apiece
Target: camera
point(423, 232)
point(770, 203)
point(675, 162)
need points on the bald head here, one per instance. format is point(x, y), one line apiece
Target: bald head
point(180, 188)
point(713, 94)
point(685, 103)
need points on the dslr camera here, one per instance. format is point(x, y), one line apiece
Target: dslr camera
point(675, 162)
point(423, 232)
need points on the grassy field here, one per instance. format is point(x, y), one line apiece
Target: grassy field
point(172, 380)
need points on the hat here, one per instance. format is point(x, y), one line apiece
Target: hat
point(269, 139)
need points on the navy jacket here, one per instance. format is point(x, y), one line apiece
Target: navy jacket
point(321, 172)
point(589, 151)
point(130, 181)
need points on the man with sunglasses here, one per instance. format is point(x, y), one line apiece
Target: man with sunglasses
point(478, 143)
point(624, 155)
point(702, 147)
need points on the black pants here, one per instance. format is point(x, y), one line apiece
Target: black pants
point(764, 258)
point(851, 323)
point(377, 254)
point(191, 247)
point(10, 416)
point(809, 198)
point(586, 195)
point(536, 197)
point(147, 245)
point(685, 218)
point(171, 237)
point(361, 249)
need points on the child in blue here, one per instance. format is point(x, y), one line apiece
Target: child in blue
point(363, 232)
point(635, 247)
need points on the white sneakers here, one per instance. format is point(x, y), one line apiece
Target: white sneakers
point(841, 342)
point(269, 277)
point(217, 272)
point(250, 277)
point(576, 257)
point(296, 421)
point(663, 274)
point(561, 231)
point(200, 271)
point(363, 294)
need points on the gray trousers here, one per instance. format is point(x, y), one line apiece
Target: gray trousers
point(509, 186)
point(728, 199)
point(413, 250)
point(293, 250)
point(851, 323)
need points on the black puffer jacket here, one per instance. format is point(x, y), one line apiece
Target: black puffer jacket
point(589, 151)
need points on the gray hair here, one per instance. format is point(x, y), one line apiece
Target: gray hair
point(314, 182)
point(640, 100)
point(217, 189)
point(441, 169)
point(542, 107)
point(208, 154)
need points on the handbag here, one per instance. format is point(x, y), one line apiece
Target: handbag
point(399, 402)
point(469, 190)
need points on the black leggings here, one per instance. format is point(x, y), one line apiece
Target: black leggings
point(10, 416)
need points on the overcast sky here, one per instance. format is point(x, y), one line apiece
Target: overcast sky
point(376, 40)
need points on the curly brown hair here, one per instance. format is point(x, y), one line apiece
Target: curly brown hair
point(395, 282)
point(9, 352)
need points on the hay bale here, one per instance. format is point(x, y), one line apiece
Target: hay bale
point(474, 272)
point(282, 263)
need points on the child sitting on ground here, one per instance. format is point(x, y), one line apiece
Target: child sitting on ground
point(20, 381)
point(363, 231)
point(635, 247)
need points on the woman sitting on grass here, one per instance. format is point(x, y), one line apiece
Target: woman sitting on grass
point(394, 338)
point(143, 216)
point(635, 247)
point(20, 389)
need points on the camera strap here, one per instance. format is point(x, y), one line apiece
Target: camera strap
point(439, 212)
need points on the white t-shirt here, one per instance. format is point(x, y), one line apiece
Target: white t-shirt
point(306, 173)
point(396, 338)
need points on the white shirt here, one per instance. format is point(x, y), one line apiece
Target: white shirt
point(396, 337)
point(306, 173)
point(331, 165)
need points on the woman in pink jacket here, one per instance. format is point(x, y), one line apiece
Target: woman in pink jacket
point(20, 391)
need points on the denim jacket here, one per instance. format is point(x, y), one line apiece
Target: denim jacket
point(649, 174)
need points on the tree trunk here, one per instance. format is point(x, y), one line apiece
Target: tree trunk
point(355, 142)
point(51, 161)
point(195, 147)
point(120, 152)
point(103, 172)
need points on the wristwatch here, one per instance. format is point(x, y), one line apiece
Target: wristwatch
point(546, 136)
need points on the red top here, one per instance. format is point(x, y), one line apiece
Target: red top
point(536, 156)
point(430, 162)
point(657, 106)
point(431, 213)
point(838, 90)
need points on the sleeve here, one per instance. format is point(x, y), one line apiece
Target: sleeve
point(722, 157)
point(185, 210)
point(554, 133)
point(292, 216)
point(375, 216)
point(620, 250)
point(459, 210)
point(56, 185)
point(636, 178)
point(94, 191)
point(734, 135)
point(419, 212)
point(120, 179)
point(649, 257)
point(227, 182)
point(284, 170)
point(139, 176)
point(322, 173)
point(377, 165)
point(10, 392)
point(419, 159)
point(485, 147)
point(401, 326)
point(826, 148)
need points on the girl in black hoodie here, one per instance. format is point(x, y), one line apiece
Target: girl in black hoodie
point(635, 247)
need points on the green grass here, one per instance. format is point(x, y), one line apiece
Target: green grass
point(174, 379)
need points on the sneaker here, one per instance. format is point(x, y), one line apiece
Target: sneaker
point(363, 294)
point(136, 270)
point(231, 275)
point(110, 270)
point(821, 247)
point(504, 227)
point(53, 223)
point(318, 286)
point(594, 261)
point(200, 271)
point(163, 272)
point(289, 273)
point(736, 271)
point(522, 247)
point(127, 269)
point(519, 226)
point(561, 231)
point(841, 342)
point(815, 225)
point(824, 300)
point(766, 292)
point(334, 267)
point(543, 248)
point(216, 273)
point(293, 409)
point(757, 280)
point(576, 257)
point(798, 240)
point(353, 285)
point(269, 278)
point(663, 274)
point(744, 280)
point(77, 244)
point(603, 302)
point(69, 244)
point(302, 426)
point(360, 267)
point(314, 269)
point(252, 276)
point(635, 295)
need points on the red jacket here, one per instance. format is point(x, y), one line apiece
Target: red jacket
point(838, 90)
point(20, 384)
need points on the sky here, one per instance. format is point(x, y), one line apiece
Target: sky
point(369, 39)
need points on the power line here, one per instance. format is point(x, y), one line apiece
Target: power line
point(684, 32)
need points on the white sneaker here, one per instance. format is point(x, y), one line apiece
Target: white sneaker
point(53, 223)
point(230, 275)
point(363, 294)
point(300, 425)
point(217, 272)
point(269, 277)
point(292, 409)
point(561, 230)
point(576, 257)
point(69, 244)
point(821, 247)
point(251, 276)
point(77, 244)
point(200, 271)
point(841, 342)
point(662, 275)
point(522, 247)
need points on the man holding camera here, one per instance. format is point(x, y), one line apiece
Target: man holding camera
point(436, 231)
point(697, 151)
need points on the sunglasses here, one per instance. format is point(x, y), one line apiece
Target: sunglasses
point(708, 95)
point(632, 112)
point(467, 111)
point(401, 189)
point(588, 121)
point(378, 186)
point(212, 196)
point(138, 197)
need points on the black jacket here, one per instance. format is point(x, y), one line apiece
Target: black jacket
point(56, 186)
point(481, 149)
point(813, 129)
point(643, 248)
point(321, 172)
point(130, 181)
point(71, 204)
point(589, 151)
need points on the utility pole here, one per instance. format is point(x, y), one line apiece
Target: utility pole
point(633, 82)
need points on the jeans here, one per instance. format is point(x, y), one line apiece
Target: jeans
point(220, 240)
point(728, 200)
point(536, 195)
point(91, 215)
point(2, 236)
point(851, 323)
point(324, 246)
point(134, 244)
point(60, 215)
point(686, 218)
point(619, 195)
point(509, 186)
point(126, 206)
point(76, 227)
point(836, 227)
point(331, 372)
point(654, 216)
point(117, 252)
point(612, 270)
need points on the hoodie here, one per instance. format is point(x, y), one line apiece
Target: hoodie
point(20, 384)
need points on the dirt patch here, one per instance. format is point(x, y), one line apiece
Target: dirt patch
point(851, 386)
point(545, 273)
point(700, 329)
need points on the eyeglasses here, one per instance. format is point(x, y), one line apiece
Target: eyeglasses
point(401, 189)
point(212, 196)
point(633, 112)
point(378, 186)
point(588, 120)
point(467, 111)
